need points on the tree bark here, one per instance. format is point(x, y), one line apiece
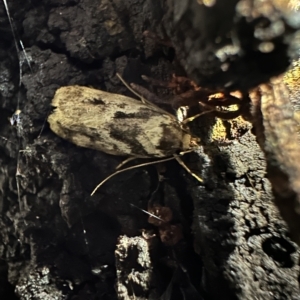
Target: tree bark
point(57, 242)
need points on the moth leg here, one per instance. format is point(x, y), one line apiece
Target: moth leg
point(180, 161)
point(192, 118)
point(243, 104)
point(222, 100)
point(227, 115)
point(125, 162)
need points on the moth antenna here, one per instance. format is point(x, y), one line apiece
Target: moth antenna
point(131, 89)
point(125, 162)
point(144, 100)
point(190, 119)
point(129, 168)
point(175, 156)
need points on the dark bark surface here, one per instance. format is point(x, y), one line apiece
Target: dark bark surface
point(228, 44)
point(57, 242)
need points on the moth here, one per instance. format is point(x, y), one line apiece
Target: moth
point(117, 124)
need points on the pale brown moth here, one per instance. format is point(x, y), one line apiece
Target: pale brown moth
point(118, 125)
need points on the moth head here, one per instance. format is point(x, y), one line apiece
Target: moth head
point(190, 142)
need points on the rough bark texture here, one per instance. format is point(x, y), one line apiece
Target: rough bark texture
point(277, 134)
point(57, 242)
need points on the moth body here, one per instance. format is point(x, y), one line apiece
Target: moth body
point(115, 124)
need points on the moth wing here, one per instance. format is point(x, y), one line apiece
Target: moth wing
point(107, 122)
